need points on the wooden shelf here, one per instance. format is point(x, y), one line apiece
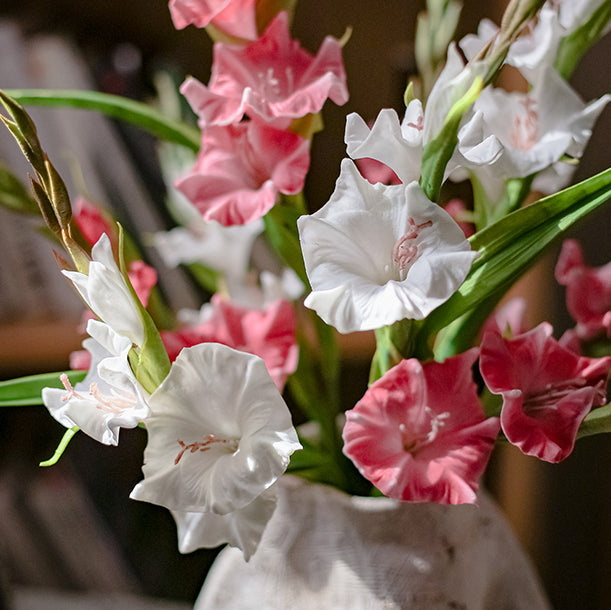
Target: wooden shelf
point(32, 346)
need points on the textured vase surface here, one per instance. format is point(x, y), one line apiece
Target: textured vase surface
point(324, 549)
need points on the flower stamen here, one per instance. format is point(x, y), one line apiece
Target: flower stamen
point(405, 251)
point(209, 441)
point(414, 444)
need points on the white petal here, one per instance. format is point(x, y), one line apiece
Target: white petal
point(223, 404)
point(348, 253)
point(107, 294)
point(109, 398)
point(242, 528)
point(399, 146)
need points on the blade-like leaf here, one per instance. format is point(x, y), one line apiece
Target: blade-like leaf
point(508, 247)
point(26, 391)
point(130, 111)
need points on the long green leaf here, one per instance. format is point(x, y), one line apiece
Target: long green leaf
point(26, 391)
point(130, 111)
point(510, 246)
point(281, 231)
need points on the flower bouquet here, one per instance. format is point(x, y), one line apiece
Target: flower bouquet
point(391, 252)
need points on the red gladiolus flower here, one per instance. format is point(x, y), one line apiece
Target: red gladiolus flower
point(547, 389)
point(588, 291)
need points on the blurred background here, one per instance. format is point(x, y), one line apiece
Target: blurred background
point(72, 527)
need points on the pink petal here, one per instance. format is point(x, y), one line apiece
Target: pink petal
point(588, 290)
point(419, 433)
point(547, 389)
point(234, 17)
point(241, 168)
point(272, 77)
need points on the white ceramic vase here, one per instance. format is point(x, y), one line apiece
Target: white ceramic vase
point(324, 549)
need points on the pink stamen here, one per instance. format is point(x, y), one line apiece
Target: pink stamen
point(405, 251)
point(419, 125)
point(204, 445)
point(110, 404)
point(436, 422)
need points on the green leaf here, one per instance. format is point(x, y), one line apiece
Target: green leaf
point(510, 246)
point(281, 230)
point(14, 196)
point(27, 391)
point(597, 421)
point(130, 111)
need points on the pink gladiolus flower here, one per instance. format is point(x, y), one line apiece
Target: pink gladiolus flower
point(588, 291)
point(142, 278)
point(420, 434)
point(91, 221)
point(234, 17)
point(268, 333)
point(547, 390)
point(241, 168)
point(272, 77)
point(507, 319)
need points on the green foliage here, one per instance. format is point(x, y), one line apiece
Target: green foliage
point(143, 116)
point(26, 391)
point(506, 250)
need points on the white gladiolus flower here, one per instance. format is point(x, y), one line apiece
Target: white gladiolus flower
point(224, 249)
point(397, 145)
point(400, 145)
point(533, 131)
point(219, 432)
point(573, 13)
point(533, 51)
point(376, 254)
point(242, 528)
point(106, 292)
point(109, 398)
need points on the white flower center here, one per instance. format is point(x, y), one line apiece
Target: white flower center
point(525, 132)
point(209, 441)
point(405, 250)
point(114, 403)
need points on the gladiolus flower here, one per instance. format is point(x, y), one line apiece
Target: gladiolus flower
point(224, 249)
point(109, 398)
point(532, 131)
point(242, 168)
point(267, 333)
point(420, 434)
point(219, 434)
point(91, 221)
point(588, 291)
point(547, 390)
point(242, 528)
point(272, 77)
point(107, 294)
point(376, 254)
point(234, 17)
